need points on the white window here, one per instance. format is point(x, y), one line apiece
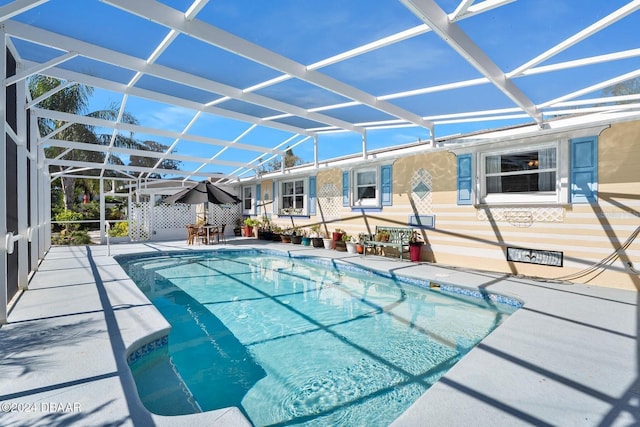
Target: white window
point(366, 187)
point(293, 197)
point(248, 201)
point(524, 175)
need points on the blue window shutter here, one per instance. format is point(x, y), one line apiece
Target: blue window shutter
point(312, 195)
point(386, 185)
point(258, 198)
point(464, 179)
point(584, 170)
point(274, 197)
point(345, 188)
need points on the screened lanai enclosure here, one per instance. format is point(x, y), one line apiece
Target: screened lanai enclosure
point(188, 90)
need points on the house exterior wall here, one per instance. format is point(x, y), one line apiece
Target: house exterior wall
point(590, 236)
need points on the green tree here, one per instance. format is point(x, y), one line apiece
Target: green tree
point(628, 87)
point(73, 99)
point(152, 161)
point(290, 160)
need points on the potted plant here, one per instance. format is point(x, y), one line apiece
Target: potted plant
point(415, 246)
point(350, 243)
point(316, 239)
point(285, 236)
point(336, 236)
point(237, 230)
point(327, 242)
point(265, 228)
point(260, 231)
point(249, 223)
point(296, 237)
point(275, 233)
point(306, 240)
point(360, 243)
point(341, 245)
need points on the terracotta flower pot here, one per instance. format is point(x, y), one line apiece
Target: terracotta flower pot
point(414, 251)
point(285, 238)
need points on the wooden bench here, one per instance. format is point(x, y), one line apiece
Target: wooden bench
point(398, 238)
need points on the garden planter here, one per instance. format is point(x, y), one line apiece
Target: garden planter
point(336, 237)
point(306, 241)
point(328, 243)
point(285, 238)
point(317, 242)
point(359, 248)
point(340, 246)
point(351, 247)
point(414, 251)
point(296, 240)
point(248, 231)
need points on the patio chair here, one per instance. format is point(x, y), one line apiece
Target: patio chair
point(220, 233)
point(202, 235)
point(192, 233)
point(213, 234)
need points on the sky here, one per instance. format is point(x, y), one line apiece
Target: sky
point(308, 31)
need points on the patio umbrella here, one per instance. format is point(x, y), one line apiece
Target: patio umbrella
point(203, 192)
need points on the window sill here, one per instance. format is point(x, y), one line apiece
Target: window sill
point(530, 204)
point(366, 209)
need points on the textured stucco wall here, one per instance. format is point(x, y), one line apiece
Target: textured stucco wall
point(477, 236)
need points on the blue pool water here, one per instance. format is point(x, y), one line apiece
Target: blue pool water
point(298, 341)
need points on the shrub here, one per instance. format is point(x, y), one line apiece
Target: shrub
point(73, 237)
point(119, 229)
point(69, 216)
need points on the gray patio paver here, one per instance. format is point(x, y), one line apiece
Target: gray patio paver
point(568, 357)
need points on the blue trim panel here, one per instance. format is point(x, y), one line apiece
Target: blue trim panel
point(464, 176)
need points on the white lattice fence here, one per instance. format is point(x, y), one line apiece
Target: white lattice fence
point(171, 217)
point(227, 215)
point(329, 201)
point(140, 221)
point(421, 185)
point(169, 221)
point(521, 217)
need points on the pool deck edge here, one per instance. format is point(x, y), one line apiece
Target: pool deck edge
point(568, 357)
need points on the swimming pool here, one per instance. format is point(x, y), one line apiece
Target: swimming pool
point(299, 340)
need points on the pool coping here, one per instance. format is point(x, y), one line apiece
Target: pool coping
point(567, 357)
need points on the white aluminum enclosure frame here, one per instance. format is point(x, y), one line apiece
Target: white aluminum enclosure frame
point(34, 226)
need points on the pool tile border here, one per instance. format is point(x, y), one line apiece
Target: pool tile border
point(148, 348)
point(343, 266)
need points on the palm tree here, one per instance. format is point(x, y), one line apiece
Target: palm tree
point(75, 100)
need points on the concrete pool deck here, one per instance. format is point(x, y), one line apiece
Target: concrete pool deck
point(570, 356)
